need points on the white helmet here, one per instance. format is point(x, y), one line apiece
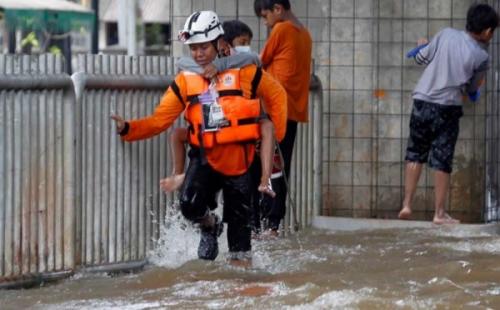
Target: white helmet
point(203, 26)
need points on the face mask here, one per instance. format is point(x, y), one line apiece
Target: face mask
point(243, 49)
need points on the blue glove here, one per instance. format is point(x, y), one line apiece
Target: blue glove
point(412, 53)
point(474, 96)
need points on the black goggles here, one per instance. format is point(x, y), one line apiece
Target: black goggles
point(185, 35)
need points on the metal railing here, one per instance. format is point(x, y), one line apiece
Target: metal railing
point(305, 177)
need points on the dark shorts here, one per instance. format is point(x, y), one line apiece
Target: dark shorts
point(433, 134)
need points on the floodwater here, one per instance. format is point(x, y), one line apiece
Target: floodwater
point(438, 268)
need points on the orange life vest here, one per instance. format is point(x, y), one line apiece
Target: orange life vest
point(241, 115)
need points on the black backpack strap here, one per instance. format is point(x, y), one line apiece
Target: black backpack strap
point(193, 99)
point(230, 92)
point(177, 92)
point(255, 82)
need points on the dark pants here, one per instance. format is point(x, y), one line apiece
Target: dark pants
point(255, 174)
point(197, 196)
point(274, 209)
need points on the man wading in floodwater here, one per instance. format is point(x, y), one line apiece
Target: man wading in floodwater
point(223, 117)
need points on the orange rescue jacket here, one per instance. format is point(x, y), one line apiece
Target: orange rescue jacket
point(241, 115)
point(229, 158)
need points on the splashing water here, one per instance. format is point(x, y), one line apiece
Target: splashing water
point(178, 242)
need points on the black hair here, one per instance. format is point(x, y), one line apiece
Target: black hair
point(235, 28)
point(481, 17)
point(259, 5)
point(215, 43)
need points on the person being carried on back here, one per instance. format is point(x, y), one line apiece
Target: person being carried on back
point(223, 118)
point(235, 52)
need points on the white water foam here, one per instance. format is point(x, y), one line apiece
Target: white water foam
point(472, 246)
point(178, 242)
point(343, 299)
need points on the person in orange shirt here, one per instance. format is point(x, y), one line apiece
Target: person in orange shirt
point(287, 57)
point(223, 116)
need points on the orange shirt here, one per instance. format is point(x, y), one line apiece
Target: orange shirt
point(238, 156)
point(287, 57)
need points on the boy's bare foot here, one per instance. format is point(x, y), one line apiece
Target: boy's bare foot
point(172, 183)
point(445, 219)
point(267, 188)
point(405, 213)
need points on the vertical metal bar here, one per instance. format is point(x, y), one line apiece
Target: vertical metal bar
point(113, 172)
point(59, 181)
point(88, 166)
point(97, 172)
point(24, 190)
point(51, 184)
point(18, 168)
point(3, 172)
point(141, 177)
point(318, 152)
point(104, 120)
point(127, 193)
point(9, 184)
point(68, 111)
point(122, 181)
point(84, 153)
point(157, 174)
point(78, 176)
point(135, 175)
point(43, 182)
point(34, 181)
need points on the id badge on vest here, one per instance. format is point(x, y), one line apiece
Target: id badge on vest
point(213, 115)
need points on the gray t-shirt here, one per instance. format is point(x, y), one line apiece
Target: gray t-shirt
point(234, 61)
point(456, 64)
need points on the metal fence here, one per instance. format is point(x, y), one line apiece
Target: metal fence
point(118, 187)
point(37, 183)
point(73, 195)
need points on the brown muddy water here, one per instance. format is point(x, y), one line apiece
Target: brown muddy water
point(426, 268)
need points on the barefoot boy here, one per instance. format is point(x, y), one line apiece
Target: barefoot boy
point(456, 64)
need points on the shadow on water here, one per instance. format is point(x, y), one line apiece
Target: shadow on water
point(441, 267)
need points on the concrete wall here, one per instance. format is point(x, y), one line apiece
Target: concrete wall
point(359, 49)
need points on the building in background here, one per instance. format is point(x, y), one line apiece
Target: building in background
point(152, 23)
point(153, 17)
point(30, 26)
